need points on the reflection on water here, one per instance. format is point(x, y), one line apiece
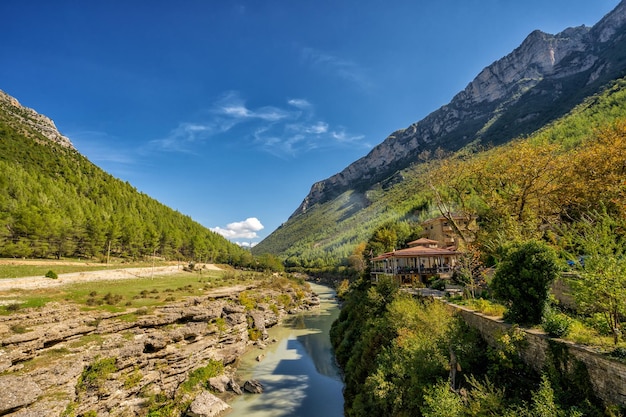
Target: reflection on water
point(298, 373)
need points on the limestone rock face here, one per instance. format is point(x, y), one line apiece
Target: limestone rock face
point(544, 68)
point(17, 392)
point(38, 122)
point(42, 365)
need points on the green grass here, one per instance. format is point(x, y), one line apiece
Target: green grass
point(33, 268)
point(118, 295)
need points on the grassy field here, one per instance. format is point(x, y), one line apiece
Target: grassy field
point(120, 295)
point(11, 268)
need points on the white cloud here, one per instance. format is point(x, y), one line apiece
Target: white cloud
point(299, 103)
point(283, 131)
point(232, 105)
point(236, 111)
point(318, 128)
point(342, 136)
point(246, 244)
point(246, 229)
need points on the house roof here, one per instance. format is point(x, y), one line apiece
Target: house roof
point(423, 242)
point(416, 252)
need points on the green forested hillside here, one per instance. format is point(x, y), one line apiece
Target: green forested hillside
point(541, 179)
point(55, 203)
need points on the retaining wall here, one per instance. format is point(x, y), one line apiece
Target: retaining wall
point(607, 376)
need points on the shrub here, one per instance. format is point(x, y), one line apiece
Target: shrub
point(597, 321)
point(112, 299)
point(246, 300)
point(274, 309)
point(522, 280)
point(18, 328)
point(285, 300)
point(441, 401)
point(203, 374)
point(487, 308)
point(95, 374)
point(342, 288)
point(581, 334)
point(51, 274)
point(133, 379)
point(12, 308)
point(438, 284)
point(556, 324)
point(254, 334)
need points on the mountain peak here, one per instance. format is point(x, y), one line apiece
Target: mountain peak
point(608, 26)
point(37, 122)
point(511, 97)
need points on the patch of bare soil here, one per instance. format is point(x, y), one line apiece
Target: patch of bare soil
point(40, 282)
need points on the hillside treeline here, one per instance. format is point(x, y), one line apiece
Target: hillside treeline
point(55, 203)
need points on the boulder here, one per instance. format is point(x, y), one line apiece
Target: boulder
point(234, 386)
point(207, 405)
point(219, 383)
point(253, 386)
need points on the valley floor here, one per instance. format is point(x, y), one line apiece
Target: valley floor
point(41, 282)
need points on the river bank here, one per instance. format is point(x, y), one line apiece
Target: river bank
point(63, 359)
point(298, 371)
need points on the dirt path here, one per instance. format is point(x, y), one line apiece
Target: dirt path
point(40, 282)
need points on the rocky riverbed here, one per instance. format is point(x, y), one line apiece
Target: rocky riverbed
point(63, 360)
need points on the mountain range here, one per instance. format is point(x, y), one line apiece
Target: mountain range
point(537, 83)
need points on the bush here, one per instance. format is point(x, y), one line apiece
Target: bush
point(487, 308)
point(438, 284)
point(94, 375)
point(202, 375)
point(556, 324)
point(13, 307)
point(522, 280)
point(51, 274)
point(598, 322)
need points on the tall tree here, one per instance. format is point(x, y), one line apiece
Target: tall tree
point(522, 280)
point(601, 283)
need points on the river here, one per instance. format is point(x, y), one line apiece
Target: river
point(298, 372)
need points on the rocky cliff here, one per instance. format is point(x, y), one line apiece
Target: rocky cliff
point(63, 360)
point(30, 122)
point(539, 81)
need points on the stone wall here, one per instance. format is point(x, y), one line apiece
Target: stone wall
point(607, 376)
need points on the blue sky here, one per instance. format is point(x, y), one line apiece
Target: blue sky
point(228, 111)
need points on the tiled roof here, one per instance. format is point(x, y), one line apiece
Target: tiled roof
point(415, 252)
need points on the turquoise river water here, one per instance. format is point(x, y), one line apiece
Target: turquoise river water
point(298, 372)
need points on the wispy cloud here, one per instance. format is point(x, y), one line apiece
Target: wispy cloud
point(246, 229)
point(299, 103)
point(284, 131)
point(338, 67)
point(231, 105)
